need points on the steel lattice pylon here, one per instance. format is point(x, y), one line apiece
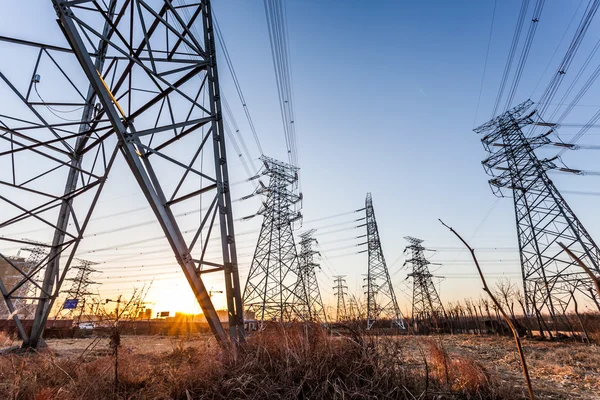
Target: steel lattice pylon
point(308, 276)
point(340, 293)
point(381, 299)
point(543, 217)
point(79, 290)
point(275, 289)
point(146, 84)
point(426, 303)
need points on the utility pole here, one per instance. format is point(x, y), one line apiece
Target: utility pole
point(276, 287)
point(139, 98)
point(381, 299)
point(340, 287)
point(308, 277)
point(543, 217)
point(426, 303)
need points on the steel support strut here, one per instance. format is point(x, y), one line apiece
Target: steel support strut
point(51, 274)
point(232, 280)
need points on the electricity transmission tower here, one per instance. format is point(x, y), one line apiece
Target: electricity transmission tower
point(356, 311)
point(426, 303)
point(308, 277)
point(144, 83)
point(78, 293)
point(543, 217)
point(275, 289)
point(340, 287)
point(381, 299)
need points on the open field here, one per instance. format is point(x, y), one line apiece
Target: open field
point(302, 364)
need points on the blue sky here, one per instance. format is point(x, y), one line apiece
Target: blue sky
point(387, 94)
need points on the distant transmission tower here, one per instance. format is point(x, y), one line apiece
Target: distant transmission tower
point(356, 311)
point(426, 302)
point(340, 291)
point(308, 277)
point(543, 217)
point(275, 289)
point(381, 299)
point(78, 293)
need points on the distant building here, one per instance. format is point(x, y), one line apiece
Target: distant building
point(10, 277)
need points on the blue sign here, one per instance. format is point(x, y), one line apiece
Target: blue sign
point(70, 304)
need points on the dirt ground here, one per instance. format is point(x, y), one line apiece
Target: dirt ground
point(560, 370)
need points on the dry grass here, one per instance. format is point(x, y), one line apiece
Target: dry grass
point(300, 362)
point(462, 374)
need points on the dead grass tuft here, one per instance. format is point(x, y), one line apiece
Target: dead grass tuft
point(462, 374)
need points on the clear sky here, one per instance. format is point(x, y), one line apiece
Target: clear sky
point(387, 94)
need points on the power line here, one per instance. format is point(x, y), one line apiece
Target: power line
point(511, 54)
point(278, 38)
point(485, 64)
point(236, 82)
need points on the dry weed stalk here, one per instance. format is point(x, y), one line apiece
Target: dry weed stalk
point(594, 278)
point(499, 307)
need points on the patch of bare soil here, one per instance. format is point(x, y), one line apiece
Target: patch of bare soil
point(99, 346)
point(559, 370)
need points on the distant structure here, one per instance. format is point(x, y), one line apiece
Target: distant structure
point(340, 292)
point(543, 217)
point(77, 296)
point(381, 299)
point(426, 304)
point(355, 311)
point(275, 289)
point(308, 277)
point(23, 290)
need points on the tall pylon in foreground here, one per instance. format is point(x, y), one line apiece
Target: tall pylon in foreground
point(134, 73)
point(426, 302)
point(543, 216)
point(340, 292)
point(381, 299)
point(308, 277)
point(275, 289)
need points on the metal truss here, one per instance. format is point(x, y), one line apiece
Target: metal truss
point(275, 289)
point(543, 217)
point(426, 303)
point(381, 299)
point(144, 83)
point(308, 277)
point(340, 292)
